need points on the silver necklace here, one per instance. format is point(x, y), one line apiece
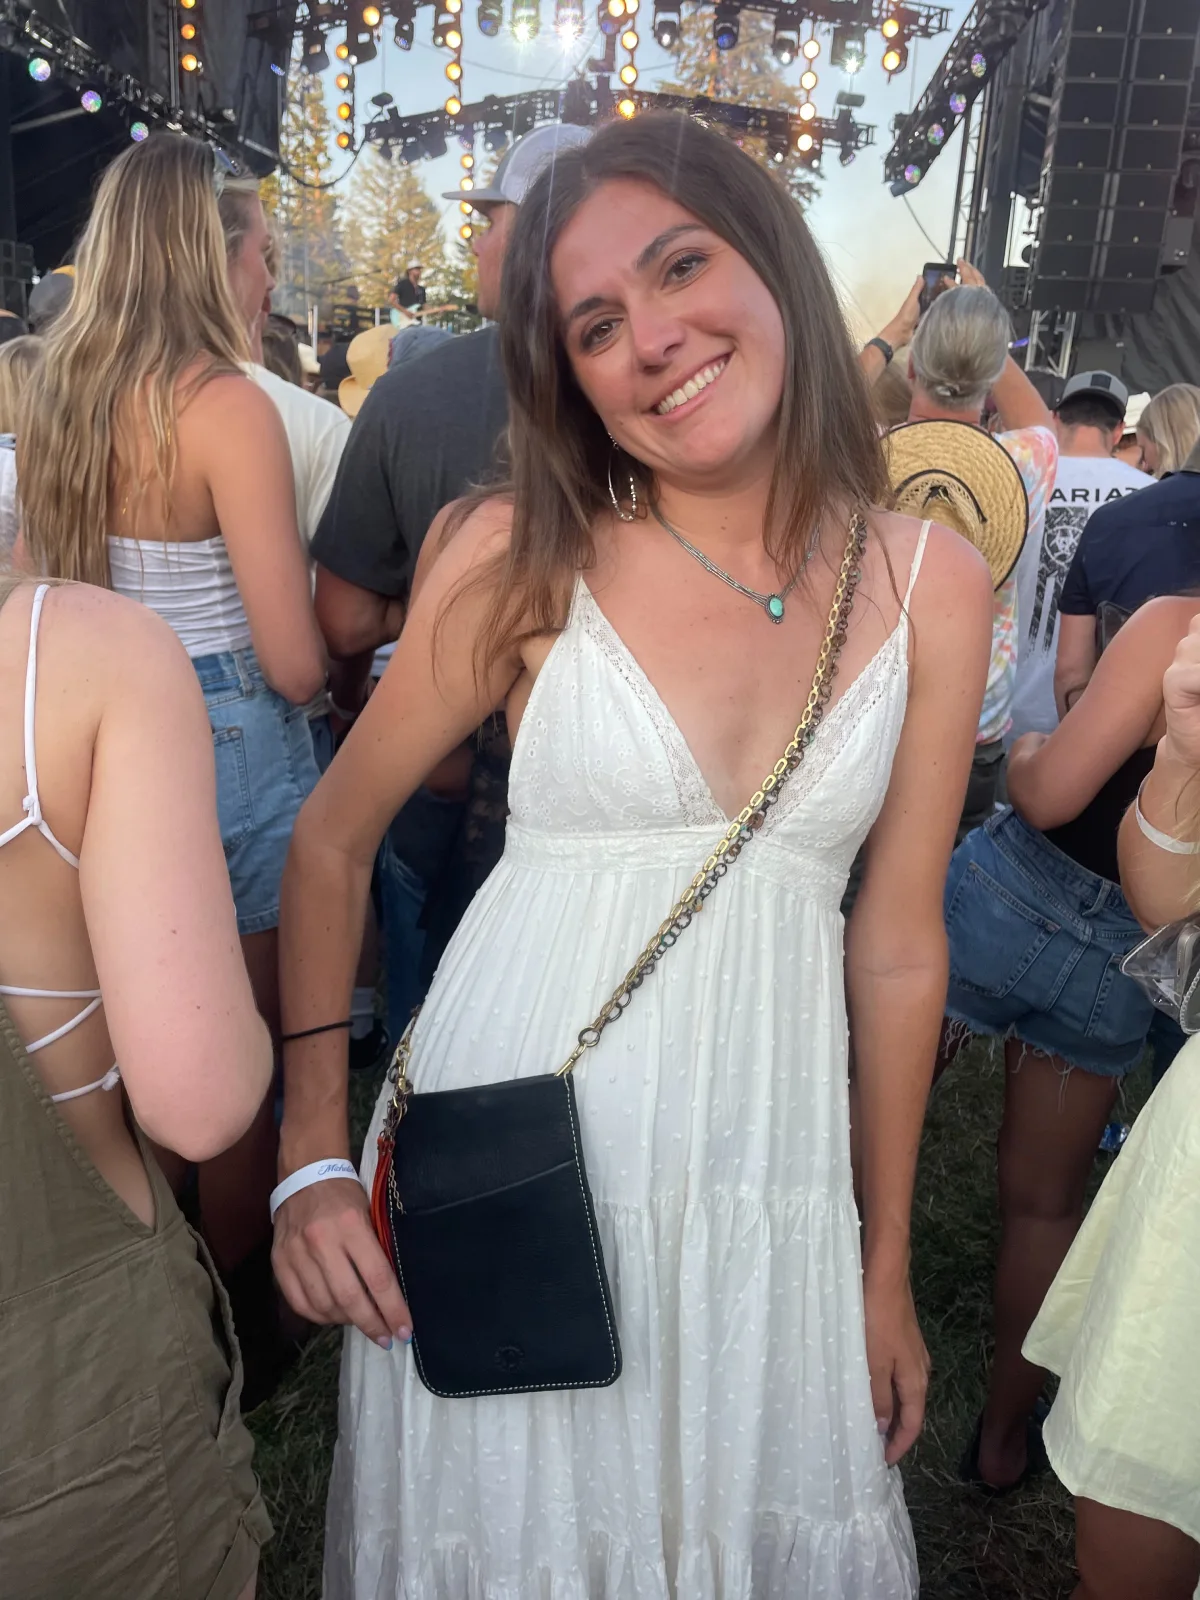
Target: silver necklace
point(772, 604)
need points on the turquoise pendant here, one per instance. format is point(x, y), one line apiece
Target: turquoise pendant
point(775, 608)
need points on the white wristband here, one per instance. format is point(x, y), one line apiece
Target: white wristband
point(1164, 841)
point(314, 1172)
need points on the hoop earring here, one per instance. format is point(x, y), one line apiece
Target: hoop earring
point(631, 514)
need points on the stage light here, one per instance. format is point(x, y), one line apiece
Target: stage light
point(138, 131)
point(777, 149)
point(39, 69)
point(811, 48)
point(465, 231)
point(628, 75)
point(912, 173)
point(526, 20)
point(490, 17)
point(187, 5)
point(343, 80)
point(895, 59)
point(372, 16)
point(958, 104)
point(465, 207)
point(313, 57)
point(345, 111)
point(435, 145)
point(342, 51)
point(807, 111)
point(808, 80)
point(627, 108)
point(726, 25)
point(568, 20)
point(846, 155)
point(848, 50)
point(936, 134)
point(629, 40)
point(453, 6)
point(468, 162)
point(466, 183)
point(190, 61)
point(804, 141)
point(890, 28)
point(91, 100)
point(453, 71)
point(978, 64)
point(785, 44)
point(616, 9)
point(187, 30)
point(345, 139)
point(453, 106)
point(405, 30)
point(495, 140)
point(666, 27)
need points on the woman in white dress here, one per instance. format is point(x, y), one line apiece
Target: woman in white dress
point(1119, 1324)
point(669, 325)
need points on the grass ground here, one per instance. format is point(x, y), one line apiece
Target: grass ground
point(969, 1548)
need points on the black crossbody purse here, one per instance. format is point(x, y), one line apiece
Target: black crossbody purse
point(481, 1197)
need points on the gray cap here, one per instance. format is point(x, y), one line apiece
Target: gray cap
point(1101, 384)
point(522, 162)
point(50, 297)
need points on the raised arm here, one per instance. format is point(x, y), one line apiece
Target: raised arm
point(249, 473)
point(1161, 884)
point(896, 955)
point(326, 1256)
point(195, 1055)
point(896, 334)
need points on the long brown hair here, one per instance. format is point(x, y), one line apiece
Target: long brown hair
point(151, 297)
point(828, 457)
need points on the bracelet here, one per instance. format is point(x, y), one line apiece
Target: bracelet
point(305, 1177)
point(884, 348)
point(307, 1033)
point(1164, 841)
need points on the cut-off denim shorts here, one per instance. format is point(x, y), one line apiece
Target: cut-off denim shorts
point(1036, 943)
point(265, 771)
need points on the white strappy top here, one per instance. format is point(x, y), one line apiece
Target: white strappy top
point(33, 818)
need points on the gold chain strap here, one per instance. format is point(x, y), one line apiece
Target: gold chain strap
point(751, 817)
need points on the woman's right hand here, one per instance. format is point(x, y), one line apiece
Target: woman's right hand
point(332, 1268)
point(1181, 699)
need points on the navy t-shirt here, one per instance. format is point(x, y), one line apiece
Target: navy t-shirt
point(1131, 551)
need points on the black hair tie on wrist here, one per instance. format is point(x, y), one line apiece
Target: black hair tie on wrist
point(307, 1033)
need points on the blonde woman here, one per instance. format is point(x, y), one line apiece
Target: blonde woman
point(1169, 428)
point(150, 463)
point(125, 1468)
point(19, 360)
point(1119, 1323)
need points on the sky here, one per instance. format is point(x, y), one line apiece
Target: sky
point(873, 243)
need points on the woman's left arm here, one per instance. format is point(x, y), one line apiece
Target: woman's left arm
point(896, 955)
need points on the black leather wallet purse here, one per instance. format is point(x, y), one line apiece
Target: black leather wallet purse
point(481, 1196)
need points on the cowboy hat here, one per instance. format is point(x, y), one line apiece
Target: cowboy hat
point(367, 358)
point(955, 474)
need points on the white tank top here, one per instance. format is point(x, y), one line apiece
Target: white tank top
point(190, 585)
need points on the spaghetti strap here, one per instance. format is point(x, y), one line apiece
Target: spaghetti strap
point(918, 557)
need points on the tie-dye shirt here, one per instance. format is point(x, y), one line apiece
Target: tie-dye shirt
point(1035, 451)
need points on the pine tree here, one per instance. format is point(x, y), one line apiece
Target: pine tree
point(391, 221)
point(747, 75)
point(312, 267)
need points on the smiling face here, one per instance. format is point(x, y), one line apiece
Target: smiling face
point(672, 336)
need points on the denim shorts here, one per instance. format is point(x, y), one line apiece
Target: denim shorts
point(1036, 943)
point(265, 771)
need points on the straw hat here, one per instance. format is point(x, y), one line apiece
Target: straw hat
point(955, 474)
point(367, 359)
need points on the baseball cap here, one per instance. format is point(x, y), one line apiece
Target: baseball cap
point(411, 265)
point(1101, 384)
point(523, 162)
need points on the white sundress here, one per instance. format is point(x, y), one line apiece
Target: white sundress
point(737, 1457)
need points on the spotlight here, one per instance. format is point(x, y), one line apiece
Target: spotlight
point(848, 49)
point(568, 20)
point(465, 207)
point(453, 6)
point(442, 22)
point(490, 16)
point(495, 140)
point(467, 183)
point(936, 134)
point(313, 57)
point(786, 43)
point(454, 71)
point(465, 231)
point(138, 131)
point(609, 25)
point(467, 162)
point(627, 108)
point(453, 106)
point(807, 111)
point(958, 104)
point(912, 173)
point(342, 51)
point(345, 111)
point(895, 59)
point(846, 155)
point(525, 20)
point(187, 5)
point(371, 16)
point(39, 69)
point(345, 139)
point(979, 65)
point(628, 75)
point(435, 145)
point(343, 80)
point(91, 100)
point(726, 25)
point(666, 27)
point(890, 27)
point(811, 48)
point(406, 13)
point(804, 141)
point(362, 46)
point(187, 30)
point(777, 149)
point(629, 40)
point(190, 61)
point(808, 81)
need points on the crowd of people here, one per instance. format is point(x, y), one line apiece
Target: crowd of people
point(433, 692)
